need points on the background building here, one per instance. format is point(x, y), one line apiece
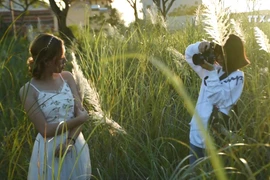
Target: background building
point(38, 17)
point(41, 18)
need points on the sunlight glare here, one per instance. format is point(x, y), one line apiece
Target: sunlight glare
point(247, 5)
point(127, 13)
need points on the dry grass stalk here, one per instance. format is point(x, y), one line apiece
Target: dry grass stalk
point(90, 98)
point(262, 39)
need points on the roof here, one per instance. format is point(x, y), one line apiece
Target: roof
point(37, 6)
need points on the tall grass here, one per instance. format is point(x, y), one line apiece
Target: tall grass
point(16, 131)
point(145, 102)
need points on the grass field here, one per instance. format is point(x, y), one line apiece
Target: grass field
point(149, 90)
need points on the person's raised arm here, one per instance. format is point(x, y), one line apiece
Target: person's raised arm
point(196, 48)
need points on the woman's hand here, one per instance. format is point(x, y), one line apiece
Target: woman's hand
point(204, 46)
point(82, 114)
point(62, 148)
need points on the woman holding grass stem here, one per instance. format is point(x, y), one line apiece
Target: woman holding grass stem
point(51, 100)
point(221, 87)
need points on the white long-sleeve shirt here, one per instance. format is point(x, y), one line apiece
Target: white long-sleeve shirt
point(213, 92)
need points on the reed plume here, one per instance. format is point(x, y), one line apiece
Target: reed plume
point(216, 21)
point(262, 39)
point(198, 15)
point(156, 17)
point(179, 58)
point(238, 29)
point(152, 14)
point(91, 100)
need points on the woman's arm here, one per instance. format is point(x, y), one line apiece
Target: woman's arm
point(31, 106)
point(190, 51)
point(73, 133)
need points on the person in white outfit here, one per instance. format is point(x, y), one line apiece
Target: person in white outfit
point(51, 101)
point(221, 87)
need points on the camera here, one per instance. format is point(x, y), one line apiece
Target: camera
point(208, 56)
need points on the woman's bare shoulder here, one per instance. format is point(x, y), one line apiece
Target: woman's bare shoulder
point(26, 90)
point(67, 75)
point(25, 87)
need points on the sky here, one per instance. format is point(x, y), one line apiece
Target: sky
point(236, 5)
point(242, 5)
point(124, 7)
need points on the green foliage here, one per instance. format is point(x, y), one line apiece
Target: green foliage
point(3, 26)
point(75, 30)
point(15, 128)
point(101, 21)
point(115, 18)
point(183, 10)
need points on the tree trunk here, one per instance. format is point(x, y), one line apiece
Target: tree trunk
point(163, 7)
point(65, 33)
point(133, 4)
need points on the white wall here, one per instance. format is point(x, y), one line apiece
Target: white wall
point(78, 13)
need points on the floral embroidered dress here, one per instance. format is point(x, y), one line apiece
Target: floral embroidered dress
point(75, 165)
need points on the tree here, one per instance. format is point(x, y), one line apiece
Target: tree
point(23, 5)
point(60, 10)
point(184, 10)
point(115, 18)
point(164, 6)
point(133, 4)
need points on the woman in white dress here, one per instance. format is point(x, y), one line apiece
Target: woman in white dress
point(51, 100)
